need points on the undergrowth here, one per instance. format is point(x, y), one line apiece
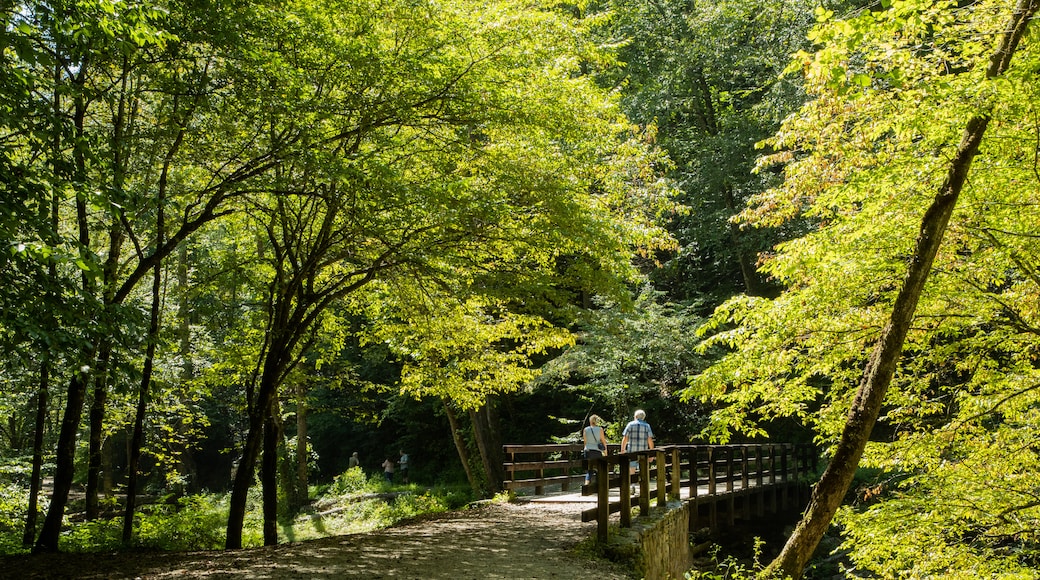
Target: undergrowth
point(351, 503)
point(731, 568)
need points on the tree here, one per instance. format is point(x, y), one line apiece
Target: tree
point(293, 155)
point(430, 158)
point(861, 162)
point(466, 354)
point(631, 356)
point(707, 76)
point(830, 491)
point(110, 98)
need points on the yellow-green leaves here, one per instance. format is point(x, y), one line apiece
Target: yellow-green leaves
point(465, 352)
point(892, 92)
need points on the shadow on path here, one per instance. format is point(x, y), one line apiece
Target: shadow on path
point(492, 541)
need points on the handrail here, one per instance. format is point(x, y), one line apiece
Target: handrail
point(545, 464)
point(690, 472)
point(691, 467)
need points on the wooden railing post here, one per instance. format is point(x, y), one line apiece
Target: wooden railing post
point(626, 492)
point(602, 498)
point(711, 470)
point(662, 477)
point(759, 475)
point(745, 479)
point(644, 483)
point(729, 469)
point(565, 485)
point(772, 478)
point(744, 465)
point(512, 459)
point(760, 465)
point(695, 467)
point(539, 489)
point(772, 464)
point(797, 462)
point(731, 503)
point(675, 485)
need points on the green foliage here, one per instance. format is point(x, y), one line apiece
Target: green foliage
point(13, 506)
point(271, 159)
point(706, 76)
point(94, 536)
point(633, 356)
point(191, 523)
point(197, 522)
point(355, 505)
point(350, 481)
point(891, 91)
point(409, 506)
point(729, 568)
point(467, 352)
point(194, 523)
point(506, 496)
point(972, 506)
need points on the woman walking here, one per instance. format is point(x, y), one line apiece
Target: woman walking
point(595, 443)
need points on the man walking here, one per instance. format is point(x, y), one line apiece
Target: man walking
point(637, 436)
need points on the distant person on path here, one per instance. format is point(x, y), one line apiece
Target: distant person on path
point(637, 436)
point(595, 443)
point(403, 464)
point(354, 461)
point(388, 470)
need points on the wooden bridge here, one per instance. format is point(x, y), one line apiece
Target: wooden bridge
point(750, 478)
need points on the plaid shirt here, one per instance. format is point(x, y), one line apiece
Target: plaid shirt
point(639, 434)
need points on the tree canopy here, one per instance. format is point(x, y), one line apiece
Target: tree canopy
point(290, 166)
point(237, 234)
point(892, 90)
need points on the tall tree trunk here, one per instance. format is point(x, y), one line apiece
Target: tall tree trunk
point(830, 491)
point(480, 433)
point(748, 271)
point(107, 483)
point(460, 446)
point(269, 476)
point(301, 446)
point(102, 374)
point(259, 411)
point(137, 440)
point(96, 435)
point(187, 465)
point(64, 464)
point(65, 454)
point(494, 438)
point(43, 394)
point(110, 274)
point(36, 479)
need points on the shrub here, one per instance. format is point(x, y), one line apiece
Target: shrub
point(350, 481)
point(13, 504)
point(195, 523)
point(93, 536)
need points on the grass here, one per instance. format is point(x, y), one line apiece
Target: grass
point(352, 503)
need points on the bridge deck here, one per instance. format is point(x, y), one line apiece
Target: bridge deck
point(576, 497)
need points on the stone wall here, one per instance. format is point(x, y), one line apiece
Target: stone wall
point(658, 546)
point(663, 541)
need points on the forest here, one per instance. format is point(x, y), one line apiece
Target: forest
point(242, 241)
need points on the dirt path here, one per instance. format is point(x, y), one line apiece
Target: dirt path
point(493, 541)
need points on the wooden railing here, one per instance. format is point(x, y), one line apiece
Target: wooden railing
point(695, 473)
point(540, 465)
